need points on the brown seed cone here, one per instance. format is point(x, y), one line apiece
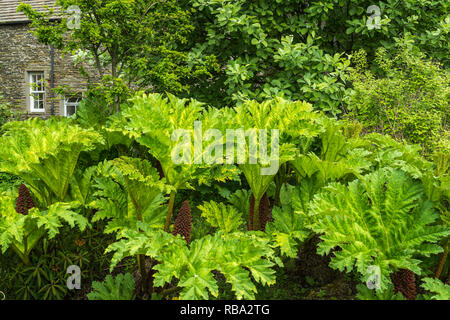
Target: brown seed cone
point(24, 201)
point(264, 212)
point(405, 282)
point(183, 222)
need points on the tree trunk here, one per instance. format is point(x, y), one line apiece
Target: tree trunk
point(114, 75)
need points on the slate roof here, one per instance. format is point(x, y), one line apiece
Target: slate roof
point(9, 14)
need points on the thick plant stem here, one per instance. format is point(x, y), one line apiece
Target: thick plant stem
point(22, 256)
point(170, 212)
point(151, 278)
point(264, 211)
point(277, 194)
point(169, 291)
point(250, 214)
point(442, 261)
point(141, 265)
point(279, 181)
point(256, 222)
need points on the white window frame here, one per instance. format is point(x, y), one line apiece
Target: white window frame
point(74, 104)
point(34, 90)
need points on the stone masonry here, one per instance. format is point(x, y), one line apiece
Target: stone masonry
point(20, 54)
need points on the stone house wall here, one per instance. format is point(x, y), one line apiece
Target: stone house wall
point(21, 53)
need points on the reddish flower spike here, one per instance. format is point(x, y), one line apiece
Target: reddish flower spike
point(405, 282)
point(183, 222)
point(24, 201)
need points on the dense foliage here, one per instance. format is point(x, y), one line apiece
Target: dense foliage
point(6, 113)
point(297, 48)
point(138, 44)
point(363, 194)
point(236, 150)
point(410, 101)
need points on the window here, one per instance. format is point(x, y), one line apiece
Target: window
point(37, 92)
point(71, 105)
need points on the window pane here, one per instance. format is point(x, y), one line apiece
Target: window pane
point(37, 91)
point(71, 109)
point(38, 101)
point(35, 101)
point(71, 104)
point(41, 101)
point(41, 83)
point(37, 82)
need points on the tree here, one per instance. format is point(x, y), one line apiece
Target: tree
point(297, 48)
point(132, 44)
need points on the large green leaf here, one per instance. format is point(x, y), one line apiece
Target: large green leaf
point(45, 154)
point(221, 216)
point(380, 220)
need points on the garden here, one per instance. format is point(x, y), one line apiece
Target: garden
point(269, 150)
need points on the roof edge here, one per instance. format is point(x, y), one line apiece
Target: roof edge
point(5, 23)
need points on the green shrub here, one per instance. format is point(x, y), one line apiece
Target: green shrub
point(408, 100)
point(6, 113)
point(118, 288)
point(297, 48)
